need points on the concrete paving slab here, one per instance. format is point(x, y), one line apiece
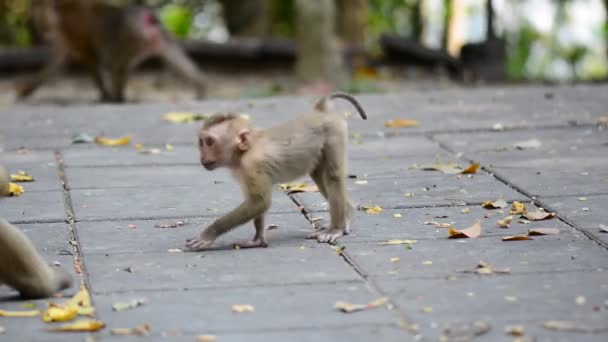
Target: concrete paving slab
point(291, 230)
point(33, 206)
point(164, 202)
point(515, 299)
point(276, 308)
point(543, 182)
point(220, 268)
point(396, 146)
point(428, 190)
point(588, 214)
point(40, 164)
point(411, 224)
point(445, 257)
point(93, 155)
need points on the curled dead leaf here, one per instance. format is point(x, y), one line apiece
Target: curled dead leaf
point(397, 242)
point(60, 313)
point(516, 238)
point(22, 176)
point(498, 204)
point(471, 169)
point(538, 215)
point(81, 325)
point(242, 308)
point(26, 313)
point(400, 123)
point(372, 209)
point(505, 222)
point(543, 231)
point(470, 232)
point(125, 140)
point(140, 330)
point(517, 208)
point(349, 307)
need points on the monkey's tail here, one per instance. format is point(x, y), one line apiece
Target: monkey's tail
point(322, 103)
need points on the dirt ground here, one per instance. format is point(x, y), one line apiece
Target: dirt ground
point(164, 86)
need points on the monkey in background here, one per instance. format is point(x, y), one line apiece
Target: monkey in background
point(109, 41)
point(313, 144)
point(21, 267)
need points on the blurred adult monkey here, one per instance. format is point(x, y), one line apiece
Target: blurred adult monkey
point(313, 144)
point(109, 41)
point(21, 267)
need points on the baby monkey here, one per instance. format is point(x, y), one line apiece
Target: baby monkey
point(313, 144)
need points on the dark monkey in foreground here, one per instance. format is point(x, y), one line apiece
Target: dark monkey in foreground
point(21, 267)
point(109, 41)
point(313, 144)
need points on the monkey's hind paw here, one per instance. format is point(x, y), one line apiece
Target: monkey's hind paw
point(251, 244)
point(327, 235)
point(198, 244)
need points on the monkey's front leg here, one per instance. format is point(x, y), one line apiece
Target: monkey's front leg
point(258, 240)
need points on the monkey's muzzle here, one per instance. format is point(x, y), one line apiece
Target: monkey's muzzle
point(209, 165)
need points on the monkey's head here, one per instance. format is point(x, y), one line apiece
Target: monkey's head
point(223, 139)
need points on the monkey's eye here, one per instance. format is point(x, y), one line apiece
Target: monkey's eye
point(200, 141)
point(209, 141)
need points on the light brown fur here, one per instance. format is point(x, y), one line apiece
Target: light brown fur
point(313, 144)
point(22, 268)
point(109, 41)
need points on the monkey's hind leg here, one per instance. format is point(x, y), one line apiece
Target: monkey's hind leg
point(258, 240)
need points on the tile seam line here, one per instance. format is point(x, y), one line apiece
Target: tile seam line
point(532, 198)
point(70, 220)
point(371, 285)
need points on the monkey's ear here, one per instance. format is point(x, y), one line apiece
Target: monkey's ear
point(243, 139)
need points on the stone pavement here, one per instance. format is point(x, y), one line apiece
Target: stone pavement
point(108, 200)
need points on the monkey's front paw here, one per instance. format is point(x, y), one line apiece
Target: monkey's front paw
point(198, 243)
point(251, 244)
point(327, 235)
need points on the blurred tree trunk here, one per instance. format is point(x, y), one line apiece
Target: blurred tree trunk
point(249, 18)
point(319, 58)
point(351, 22)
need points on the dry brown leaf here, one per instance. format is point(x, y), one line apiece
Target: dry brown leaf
point(471, 169)
point(242, 308)
point(22, 176)
point(517, 208)
point(400, 123)
point(538, 215)
point(140, 330)
point(349, 307)
point(113, 142)
point(397, 242)
point(81, 325)
point(27, 313)
point(543, 231)
point(470, 232)
point(505, 222)
point(498, 204)
point(516, 238)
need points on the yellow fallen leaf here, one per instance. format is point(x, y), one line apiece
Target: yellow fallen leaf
point(516, 238)
point(349, 307)
point(28, 313)
point(81, 325)
point(538, 215)
point(505, 222)
point(241, 308)
point(515, 330)
point(15, 189)
point(470, 232)
point(140, 330)
point(543, 231)
point(397, 215)
point(183, 117)
point(471, 169)
point(340, 249)
point(299, 187)
point(400, 123)
point(60, 313)
point(121, 306)
point(372, 209)
point(397, 242)
point(427, 262)
point(22, 176)
point(206, 338)
point(498, 204)
point(82, 298)
point(113, 142)
point(517, 208)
